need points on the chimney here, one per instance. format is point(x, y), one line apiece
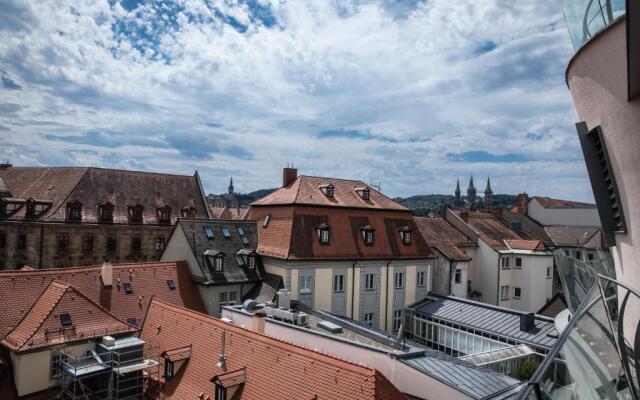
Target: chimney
point(464, 215)
point(289, 174)
point(527, 322)
point(257, 322)
point(107, 273)
point(522, 203)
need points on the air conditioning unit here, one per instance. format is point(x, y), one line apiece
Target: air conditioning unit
point(301, 319)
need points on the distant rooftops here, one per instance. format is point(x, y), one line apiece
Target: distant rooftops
point(439, 234)
point(547, 202)
point(576, 236)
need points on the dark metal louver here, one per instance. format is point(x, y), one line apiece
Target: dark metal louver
point(603, 181)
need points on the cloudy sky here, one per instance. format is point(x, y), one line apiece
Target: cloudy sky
point(412, 94)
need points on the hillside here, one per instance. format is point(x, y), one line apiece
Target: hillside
point(425, 204)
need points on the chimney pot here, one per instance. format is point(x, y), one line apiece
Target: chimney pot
point(107, 273)
point(289, 174)
point(258, 321)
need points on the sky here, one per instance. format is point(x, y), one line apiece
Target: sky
point(412, 95)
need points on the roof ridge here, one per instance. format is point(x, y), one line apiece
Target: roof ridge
point(69, 270)
point(240, 330)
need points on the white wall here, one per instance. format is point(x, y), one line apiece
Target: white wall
point(487, 273)
point(460, 289)
point(563, 216)
point(531, 278)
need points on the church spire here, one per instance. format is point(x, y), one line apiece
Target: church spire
point(488, 194)
point(231, 186)
point(488, 188)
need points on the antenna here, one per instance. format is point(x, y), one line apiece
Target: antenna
point(222, 360)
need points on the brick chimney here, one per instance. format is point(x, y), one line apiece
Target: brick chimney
point(289, 174)
point(107, 273)
point(522, 203)
point(257, 322)
point(464, 215)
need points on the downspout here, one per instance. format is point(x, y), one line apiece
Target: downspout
point(499, 268)
point(386, 306)
point(41, 246)
point(353, 286)
point(450, 277)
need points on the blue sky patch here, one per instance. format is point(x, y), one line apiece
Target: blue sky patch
point(353, 134)
point(486, 157)
point(9, 84)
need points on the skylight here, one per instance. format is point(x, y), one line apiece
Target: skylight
point(239, 260)
point(132, 321)
point(240, 231)
point(65, 319)
point(226, 233)
point(208, 231)
point(266, 220)
point(171, 284)
point(128, 288)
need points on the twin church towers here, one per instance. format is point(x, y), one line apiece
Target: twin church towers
point(472, 202)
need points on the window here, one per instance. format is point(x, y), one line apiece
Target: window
point(168, 369)
point(505, 262)
point(516, 292)
point(518, 262)
point(22, 242)
point(221, 393)
point(226, 233)
point(397, 320)
point(57, 361)
point(590, 257)
point(87, 243)
point(267, 218)
point(36, 208)
point(579, 255)
point(65, 319)
point(164, 214)
point(218, 263)
point(159, 244)
point(405, 235)
point(135, 213)
point(105, 212)
point(323, 233)
point(227, 299)
point(457, 277)
point(367, 235)
point(365, 194)
point(338, 283)
point(112, 243)
point(504, 292)
point(74, 211)
point(548, 272)
point(240, 231)
point(369, 281)
point(420, 278)
point(171, 284)
point(128, 288)
point(136, 244)
point(398, 280)
point(328, 190)
point(3, 240)
point(188, 212)
point(367, 318)
point(8, 208)
point(63, 243)
point(251, 260)
point(306, 283)
point(245, 241)
point(209, 232)
point(567, 253)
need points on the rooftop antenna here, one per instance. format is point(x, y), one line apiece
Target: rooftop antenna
point(222, 360)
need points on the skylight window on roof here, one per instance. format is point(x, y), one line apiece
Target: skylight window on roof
point(240, 231)
point(209, 232)
point(133, 322)
point(245, 240)
point(128, 288)
point(239, 260)
point(267, 218)
point(65, 319)
point(171, 284)
point(226, 233)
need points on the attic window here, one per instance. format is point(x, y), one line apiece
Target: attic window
point(323, 233)
point(214, 260)
point(188, 212)
point(226, 233)
point(168, 369)
point(363, 193)
point(251, 261)
point(105, 212)
point(65, 319)
point(135, 213)
point(328, 190)
point(74, 211)
point(8, 208)
point(267, 218)
point(128, 289)
point(35, 207)
point(367, 234)
point(209, 232)
point(171, 284)
point(164, 214)
point(240, 231)
point(405, 235)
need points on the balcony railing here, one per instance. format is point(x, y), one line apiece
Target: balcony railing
point(585, 18)
point(596, 355)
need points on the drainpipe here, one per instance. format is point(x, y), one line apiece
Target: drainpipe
point(353, 286)
point(450, 276)
point(41, 246)
point(386, 306)
point(499, 268)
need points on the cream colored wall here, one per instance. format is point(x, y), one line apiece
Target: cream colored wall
point(323, 290)
point(460, 289)
point(384, 304)
point(410, 292)
point(31, 371)
point(294, 284)
point(356, 298)
point(351, 285)
point(178, 249)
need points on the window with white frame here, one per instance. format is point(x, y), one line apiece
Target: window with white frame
point(518, 262)
point(338, 283)
point(369, 281)
point(218, 263)
point(457, 277)
point(517, 292)
point(398, 281)
point(420, 278)
point(367, 235)
point(306, 282)
point(504, 292)
point(504, 263)
point(57, 361)
point(397, 319)
point(367, 318)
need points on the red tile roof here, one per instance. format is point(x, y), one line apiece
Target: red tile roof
point(20, 290)
point(305, 190)
point(291, 234)
point(531, 245)
point(42, 326)
point(231, 379)
point(94, 186)
point(557, 203)
point(229, 213)
point(438, 233)
point(491, 230)
point(274, 369)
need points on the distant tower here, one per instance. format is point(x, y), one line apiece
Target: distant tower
point(230, 191)
point(488, 193)
point(458, 199)
point(471, 194)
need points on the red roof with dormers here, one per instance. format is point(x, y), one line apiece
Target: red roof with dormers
point(20, 290)
point(42, 325)
point(274, 369)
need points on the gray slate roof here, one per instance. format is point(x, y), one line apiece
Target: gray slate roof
point(265, 291)
point(194, 231)
point(477, 382)
point(499, 321)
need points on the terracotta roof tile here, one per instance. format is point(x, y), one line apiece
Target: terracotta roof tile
point(274, 369)
point(557, 203)
point(531, 245)
point(305, 190)
point(438, 233)
point(20, 290)
point(42, 325)
point(229, 213)
point(231, 379)
point(177, 354)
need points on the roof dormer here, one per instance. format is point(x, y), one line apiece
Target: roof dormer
point(74, 211)
point(188, 212)
point(367, 232)
point(35, 208)
point(364, 193)
point(105, 212)
point(328, 189)
point(164, 214)
point(405, 235)
point(135, 212)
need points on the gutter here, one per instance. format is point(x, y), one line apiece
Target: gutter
point(450, 276)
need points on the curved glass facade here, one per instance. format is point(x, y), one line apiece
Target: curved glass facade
point(585, 18)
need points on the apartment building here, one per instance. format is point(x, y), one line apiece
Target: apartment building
point(341, 246)
point(64, 217)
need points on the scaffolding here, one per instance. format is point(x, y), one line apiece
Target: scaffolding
point(122, 370)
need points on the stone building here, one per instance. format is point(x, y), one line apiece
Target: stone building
point(63, 217)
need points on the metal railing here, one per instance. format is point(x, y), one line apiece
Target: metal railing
point(585, 18)
point(596, 355)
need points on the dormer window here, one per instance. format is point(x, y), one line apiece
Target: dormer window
point(328, 190)
point(367, 234)
point(188, 212)
point(164, 214)
point(9, 207)
point(364, 193)
point(214, 260)
point(405, 235)
point(36, 208)
point(105, 212)
point(74, 211)
point(251, 261)
point(323, 233)
point(135, 213)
